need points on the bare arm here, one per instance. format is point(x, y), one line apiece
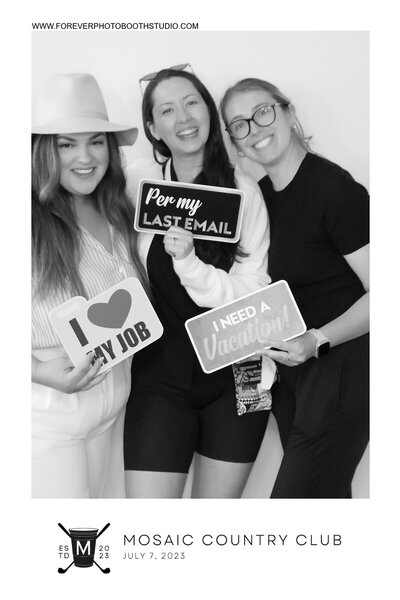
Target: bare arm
point(353, 323)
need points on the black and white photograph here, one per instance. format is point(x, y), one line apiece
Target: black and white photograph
point(200, 388)
point(138, 429)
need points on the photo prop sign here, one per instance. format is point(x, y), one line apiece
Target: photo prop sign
point(227, 334)
point(210, 213)
point(115, 324)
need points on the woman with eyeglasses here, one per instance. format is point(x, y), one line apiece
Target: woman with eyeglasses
point(175, 410)
point(320, 244)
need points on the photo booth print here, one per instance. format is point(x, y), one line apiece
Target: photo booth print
point(228, 334)
point(115, 324)
point(83, 542)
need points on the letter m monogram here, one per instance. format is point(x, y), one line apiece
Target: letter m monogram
point(85, 549)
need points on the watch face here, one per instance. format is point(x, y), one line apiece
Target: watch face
point(323, 349)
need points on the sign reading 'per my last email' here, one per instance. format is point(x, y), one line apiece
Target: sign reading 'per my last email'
point(210, 213)
point(238, 329)
point(115, 324)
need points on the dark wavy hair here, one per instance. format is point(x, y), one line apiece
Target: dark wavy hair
point(253, 83)
point(56, 236)
point(217, 169)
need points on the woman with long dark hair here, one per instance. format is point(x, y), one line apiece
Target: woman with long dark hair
point(175, 410)
point(320, 244)
point(82, 244)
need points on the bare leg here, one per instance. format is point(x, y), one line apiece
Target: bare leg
point(218, 478)
point(154, 484)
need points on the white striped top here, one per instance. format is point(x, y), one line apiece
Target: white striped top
point(99, 270)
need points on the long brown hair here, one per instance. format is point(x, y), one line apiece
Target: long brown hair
point(56, 236)
point(217, 169)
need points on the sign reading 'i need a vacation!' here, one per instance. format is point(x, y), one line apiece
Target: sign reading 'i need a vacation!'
point(210, 213)
point(238, 329)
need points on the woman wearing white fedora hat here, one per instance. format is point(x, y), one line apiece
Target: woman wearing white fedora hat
point(82, 243)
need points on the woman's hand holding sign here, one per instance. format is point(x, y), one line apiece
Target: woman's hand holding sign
point(178, 242)
point(61, 374)
point(293, 352)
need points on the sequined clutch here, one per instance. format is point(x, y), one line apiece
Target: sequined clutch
point(250, 397)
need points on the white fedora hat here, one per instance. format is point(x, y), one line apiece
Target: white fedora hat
point(73, 103)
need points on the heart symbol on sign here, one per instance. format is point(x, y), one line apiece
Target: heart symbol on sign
point(113, 313)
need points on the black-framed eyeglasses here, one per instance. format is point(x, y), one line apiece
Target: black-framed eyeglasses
point(263, 116)
point(143, 81)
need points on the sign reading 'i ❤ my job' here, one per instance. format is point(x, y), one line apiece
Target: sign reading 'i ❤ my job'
point(115, 324)
point(238, 329)
point(210, 213)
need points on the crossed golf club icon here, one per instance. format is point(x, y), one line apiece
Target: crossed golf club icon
point(83, 547)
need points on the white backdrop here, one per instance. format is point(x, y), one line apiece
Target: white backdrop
point(325, 74)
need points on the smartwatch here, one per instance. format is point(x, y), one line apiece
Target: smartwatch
point(323, 344)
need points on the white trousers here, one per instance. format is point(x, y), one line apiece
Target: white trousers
point(77, 439)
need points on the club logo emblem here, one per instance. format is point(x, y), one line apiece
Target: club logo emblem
point(83, 541)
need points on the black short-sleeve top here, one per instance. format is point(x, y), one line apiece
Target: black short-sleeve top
point(321, 216)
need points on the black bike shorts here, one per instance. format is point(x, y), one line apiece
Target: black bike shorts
point(165, 426)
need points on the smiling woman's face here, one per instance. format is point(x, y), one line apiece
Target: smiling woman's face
point(84, 159)
point(180, 117)
point(264, 145)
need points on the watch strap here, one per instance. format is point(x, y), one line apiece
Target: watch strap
point(322, 340)
point(318, 335)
